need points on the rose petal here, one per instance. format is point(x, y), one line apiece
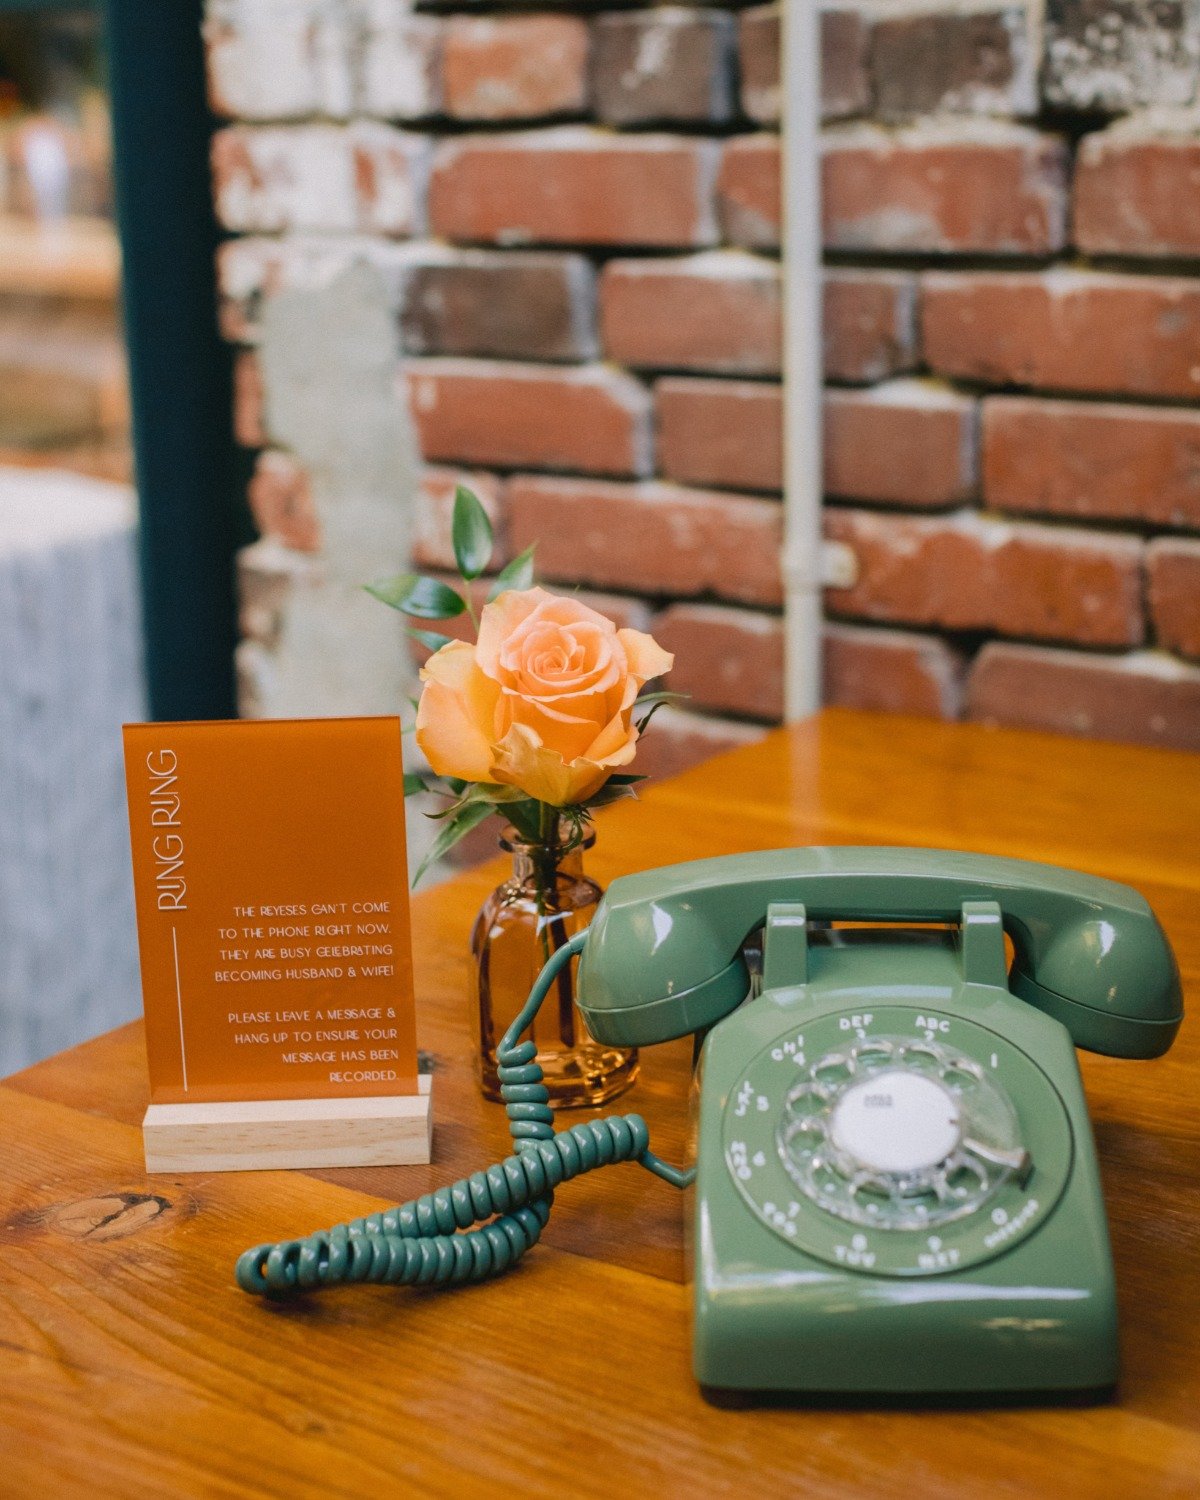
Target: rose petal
point(455, 714)
point(567, 708)
point(646, 657)
point(553, 612)
point(563, 684)
point(563, 609)
point(568, 734)
point(500, 619)
point(542, 651)
point(615, 745)
point(523, 761)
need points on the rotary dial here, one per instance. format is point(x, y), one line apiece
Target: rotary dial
point(896, 1141)
point(898, 1133)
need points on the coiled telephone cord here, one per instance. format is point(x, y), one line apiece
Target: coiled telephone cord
point(430, 1241)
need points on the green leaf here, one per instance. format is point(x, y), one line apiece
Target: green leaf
point(622, 778)
point(429, 638)
point(412, 594)
point(642, 724)
point(414, 782)
point(500, 795)
point(458, 827)
point(656, 700)
point(471, 533)
point(652, 702)
point(480, 791)
point(525, 816)
point(518, 574)
point(609, 793)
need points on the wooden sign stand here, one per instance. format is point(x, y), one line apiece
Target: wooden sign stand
point(270, 870)
point(259, 1134)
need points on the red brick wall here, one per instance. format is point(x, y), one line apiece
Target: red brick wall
point(579, 215)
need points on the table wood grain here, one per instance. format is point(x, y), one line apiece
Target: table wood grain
point(130, 1364)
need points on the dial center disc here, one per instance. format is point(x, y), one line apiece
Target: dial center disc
point(896, 1121)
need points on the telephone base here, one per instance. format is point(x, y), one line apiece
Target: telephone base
point(1011, 1294)
point(844, 1343)
point(289, 1134)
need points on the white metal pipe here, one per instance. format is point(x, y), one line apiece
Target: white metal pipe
point(803, 385)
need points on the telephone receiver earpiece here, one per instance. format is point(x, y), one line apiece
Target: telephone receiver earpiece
point(664, 954)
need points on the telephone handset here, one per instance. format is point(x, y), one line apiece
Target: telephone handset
point(895, 1183)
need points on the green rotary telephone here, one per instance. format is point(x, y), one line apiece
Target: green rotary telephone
point(895, 1189)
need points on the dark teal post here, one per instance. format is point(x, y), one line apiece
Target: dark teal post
point(180, 370)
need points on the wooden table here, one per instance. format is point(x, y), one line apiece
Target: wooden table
point(130, 1364)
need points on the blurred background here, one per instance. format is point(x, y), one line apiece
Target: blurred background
point(538, 250)
point(63, 387)
point(70, 619)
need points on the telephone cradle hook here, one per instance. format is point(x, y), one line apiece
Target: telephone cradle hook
point(480, 1225)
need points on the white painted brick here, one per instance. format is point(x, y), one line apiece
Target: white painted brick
point(251, 269)
point(399, 62)
point(267, 574)
point(279, 59)
point(366, 176)
point(316, 642)
point(434, 515)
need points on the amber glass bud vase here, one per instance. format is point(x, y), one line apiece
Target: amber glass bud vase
point(522, 923)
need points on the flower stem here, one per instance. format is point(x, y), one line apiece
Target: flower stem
point(545, 868)
point(548, 825)
point(552, 929)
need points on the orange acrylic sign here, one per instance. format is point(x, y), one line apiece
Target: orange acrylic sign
point(272, 901)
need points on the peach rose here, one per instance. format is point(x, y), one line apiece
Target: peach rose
point(543, 701)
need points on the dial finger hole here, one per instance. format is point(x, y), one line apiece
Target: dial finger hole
point(920, 1198)
point(805, 1098)
point(804, 1137)
point(964, 1178)
point(961, 1074)
point(825, 1179)
point(833, 1069)
point(869, 1188)
point(871, 1055)
point(920, 1057)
